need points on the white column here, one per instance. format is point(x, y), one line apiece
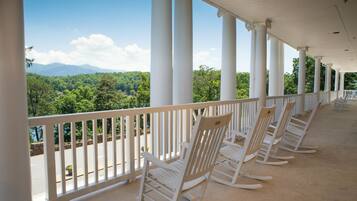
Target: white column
point(228, 70)
point(301, 80)
point(261, 62)
point(182, 71)
point(337, 73)
point(317, 77)
point(161, 53)
point(281, 68)
point(328, 81)
point(15, 180)
point(252, 86)
point(342, 82)
point(274, 70)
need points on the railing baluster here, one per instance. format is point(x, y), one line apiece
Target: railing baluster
point(95, 150)
point(74, 155)
point(131, 148)
point(114, 144)
point(144, 132)
point(50, 164)
point(138, 135)
point(165, 135)
point(105, 147)
point(85, 151)
point(122, 143)
point(171, 136)
point(62, 156)
point(152, 131)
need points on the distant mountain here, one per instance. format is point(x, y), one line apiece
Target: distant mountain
point(59, 69)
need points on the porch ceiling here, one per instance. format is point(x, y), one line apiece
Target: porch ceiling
point(306, 23)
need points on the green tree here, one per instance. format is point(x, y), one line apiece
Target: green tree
point(66, 103)
point(39, 98)
point(206, 84)
point(107, 97)
point(143, 93)
point(350, 81)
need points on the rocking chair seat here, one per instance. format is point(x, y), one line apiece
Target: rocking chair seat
point(167, 177)
point(235, 153)
point(268, 139)
point(295, 130)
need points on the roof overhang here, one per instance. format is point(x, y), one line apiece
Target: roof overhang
point(327, 27)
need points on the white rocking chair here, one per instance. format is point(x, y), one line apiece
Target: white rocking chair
point(295, 133)
point(169, 181)
point(273, 137)
point(341, 103)
point(233, 156)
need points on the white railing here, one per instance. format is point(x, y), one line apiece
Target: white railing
point(100, 163)
point(279, 102)
point(350, 94)
point(310, 101)
point(324, 97)
point(104, 148)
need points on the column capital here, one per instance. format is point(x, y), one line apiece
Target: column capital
point(221, 12)
point(318, 57)
point(329, 65)
point(253, 25)
point(303, 48)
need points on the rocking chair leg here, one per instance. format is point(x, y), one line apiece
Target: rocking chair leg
point(299, 151)
point(282, 157)
point(309, 147)
point(272, 162)
point(261, 178)
point(236, 185)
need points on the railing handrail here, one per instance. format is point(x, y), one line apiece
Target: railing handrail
point(51, 119)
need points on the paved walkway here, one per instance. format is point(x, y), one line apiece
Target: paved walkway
point(328, 175)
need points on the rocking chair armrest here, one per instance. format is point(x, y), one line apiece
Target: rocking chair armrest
point(298, 120)
point(157, 162)
point(226, 142)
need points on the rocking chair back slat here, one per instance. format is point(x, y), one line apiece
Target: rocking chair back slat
point(256, 135)
point(311, 117)
point(284, 119)
point(203, 151)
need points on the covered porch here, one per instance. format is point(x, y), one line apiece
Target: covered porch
point(328, 175)
point(160, 129)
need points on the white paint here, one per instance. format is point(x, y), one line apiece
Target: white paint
point(276, 71)
point(252, 64)
point(228, 71)
point(182, 71)
point(261, 63)
point(317, 74)
point(328, 81)
point(301, 80)
point(281, 68)
point(161, 53)
point(15, 181)
point(337, 78)
point(342, 81)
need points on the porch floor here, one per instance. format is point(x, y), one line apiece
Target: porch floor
point(328, 175)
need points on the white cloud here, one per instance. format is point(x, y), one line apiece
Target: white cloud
point(101, 51)
point(98, 50)
point(207, 57)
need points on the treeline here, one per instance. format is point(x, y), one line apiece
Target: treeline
point(108, 91)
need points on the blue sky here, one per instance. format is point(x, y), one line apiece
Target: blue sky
point(116, 34)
